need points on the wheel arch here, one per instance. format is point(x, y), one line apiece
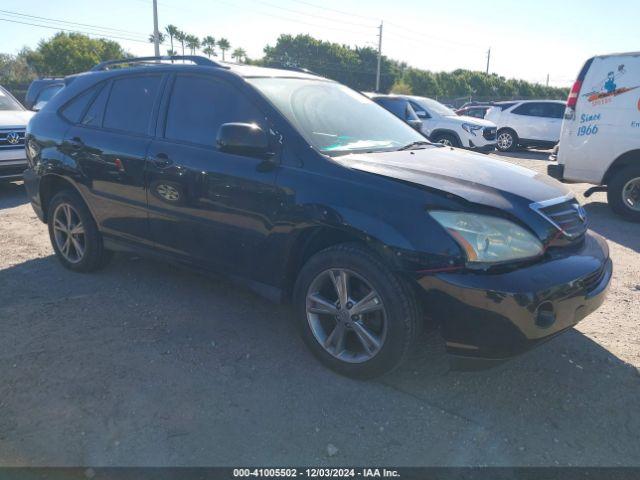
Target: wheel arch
point(632, 157)
point(51, 184)
point(317, 238)
point(446, 131)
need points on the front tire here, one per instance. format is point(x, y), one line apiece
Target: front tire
point(356, 316)
point(623, 193)
point(446, 139)
point(507, 140)
point(74, 234)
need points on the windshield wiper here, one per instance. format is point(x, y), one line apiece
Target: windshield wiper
point(415, 144)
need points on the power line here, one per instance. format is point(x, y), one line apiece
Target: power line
point(114, 37)
point(7, 12)
point(298, 12)
point(323, 7)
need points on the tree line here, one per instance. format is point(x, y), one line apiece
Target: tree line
point(69, 53)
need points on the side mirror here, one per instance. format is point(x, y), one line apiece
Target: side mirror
point(243, 139)
point(422, 114)
point(417, 124)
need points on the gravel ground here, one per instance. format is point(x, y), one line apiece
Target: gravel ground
point(146, 364)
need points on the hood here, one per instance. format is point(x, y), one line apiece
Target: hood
point(460, 119)
point(15, 118)
point(474, 177)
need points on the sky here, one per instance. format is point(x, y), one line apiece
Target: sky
point(528, 39)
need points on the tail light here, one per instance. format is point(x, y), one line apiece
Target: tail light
point(572, 100)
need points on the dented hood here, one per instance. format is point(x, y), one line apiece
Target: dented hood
point(474, 177)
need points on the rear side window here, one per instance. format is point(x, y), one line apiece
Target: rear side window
point(131, 103)
point(398, 106)
point(198, 107)
point(555, 110)
point(76, 107)
point(47, 93)
point(93, 117)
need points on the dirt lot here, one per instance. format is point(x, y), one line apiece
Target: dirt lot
point(144, 364)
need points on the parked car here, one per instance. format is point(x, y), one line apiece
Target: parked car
point(312, 194)
point(527, 123)
point(13, 122)
point(40, 91)
point(440, 124)
point(600, 139)
point(476, 111)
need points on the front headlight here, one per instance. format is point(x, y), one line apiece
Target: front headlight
point(487, 239)
point(472, 129)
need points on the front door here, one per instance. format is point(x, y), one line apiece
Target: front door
point(205, 205)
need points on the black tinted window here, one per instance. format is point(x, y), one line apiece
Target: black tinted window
point(76, 107)
point(198, 107)
point(93, 116)
point(131, 102)
point(532, 109)
point(555, 110)
point(398, 106)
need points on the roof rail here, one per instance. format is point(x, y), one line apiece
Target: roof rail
point(197, 59)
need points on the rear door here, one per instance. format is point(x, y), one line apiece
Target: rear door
point(531, 121)
point(110, 143)
point(205, 205)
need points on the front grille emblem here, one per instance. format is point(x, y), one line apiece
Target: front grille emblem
point(13, 138)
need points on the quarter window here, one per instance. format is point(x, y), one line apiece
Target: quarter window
point(75, 108)
point(532, 110)
point(198, 107)
point(131, 103)
point(93, 117)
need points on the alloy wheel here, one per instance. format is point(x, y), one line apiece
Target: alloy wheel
point(631, 194)
point(346, 315)
point(505, 140)
point(69, 233)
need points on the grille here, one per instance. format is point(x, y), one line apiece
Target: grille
point(566, 215)
point(590, 282)
point(6, 135)
point(489, 133)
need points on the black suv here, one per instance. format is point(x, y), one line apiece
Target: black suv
point(312, 193)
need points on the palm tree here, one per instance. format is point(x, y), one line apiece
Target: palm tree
point(239, 54)
point(171, 30)
point(208, 51)
point(224, 45)
point(181, 37)
point(161, 38)
point(193, 43)
point(171, 53)
point(210, 45)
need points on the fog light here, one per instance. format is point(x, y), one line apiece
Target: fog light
point(545, 316)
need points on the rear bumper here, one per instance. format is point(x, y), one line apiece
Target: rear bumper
point(499, 315)
point(556, 171)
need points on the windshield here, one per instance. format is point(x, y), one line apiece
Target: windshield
point(7, 102)
point(434, 107)
point(335, 119)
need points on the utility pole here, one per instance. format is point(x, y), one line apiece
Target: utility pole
point(547, 79)
point(379, 58)
point(156, 34)
point(488, 59)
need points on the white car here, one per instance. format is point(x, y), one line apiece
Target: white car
point(600, 140)
point(439, 123)
point(527, 123)
point(13, 122)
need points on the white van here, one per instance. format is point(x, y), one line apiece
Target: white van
point(600, 138)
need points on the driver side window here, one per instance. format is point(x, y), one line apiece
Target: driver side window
point(217, 103)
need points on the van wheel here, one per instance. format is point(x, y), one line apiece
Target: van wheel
point(355, 315)
point(74, 234)
point(446, 139)
point(623, 193)
point(507, 140)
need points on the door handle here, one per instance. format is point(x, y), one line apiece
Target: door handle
point(161, 160)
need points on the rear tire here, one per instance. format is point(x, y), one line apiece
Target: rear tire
point(447, 139)
point(331, 325)
point(74, 234)
point(623, 192)
point(507, 140)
